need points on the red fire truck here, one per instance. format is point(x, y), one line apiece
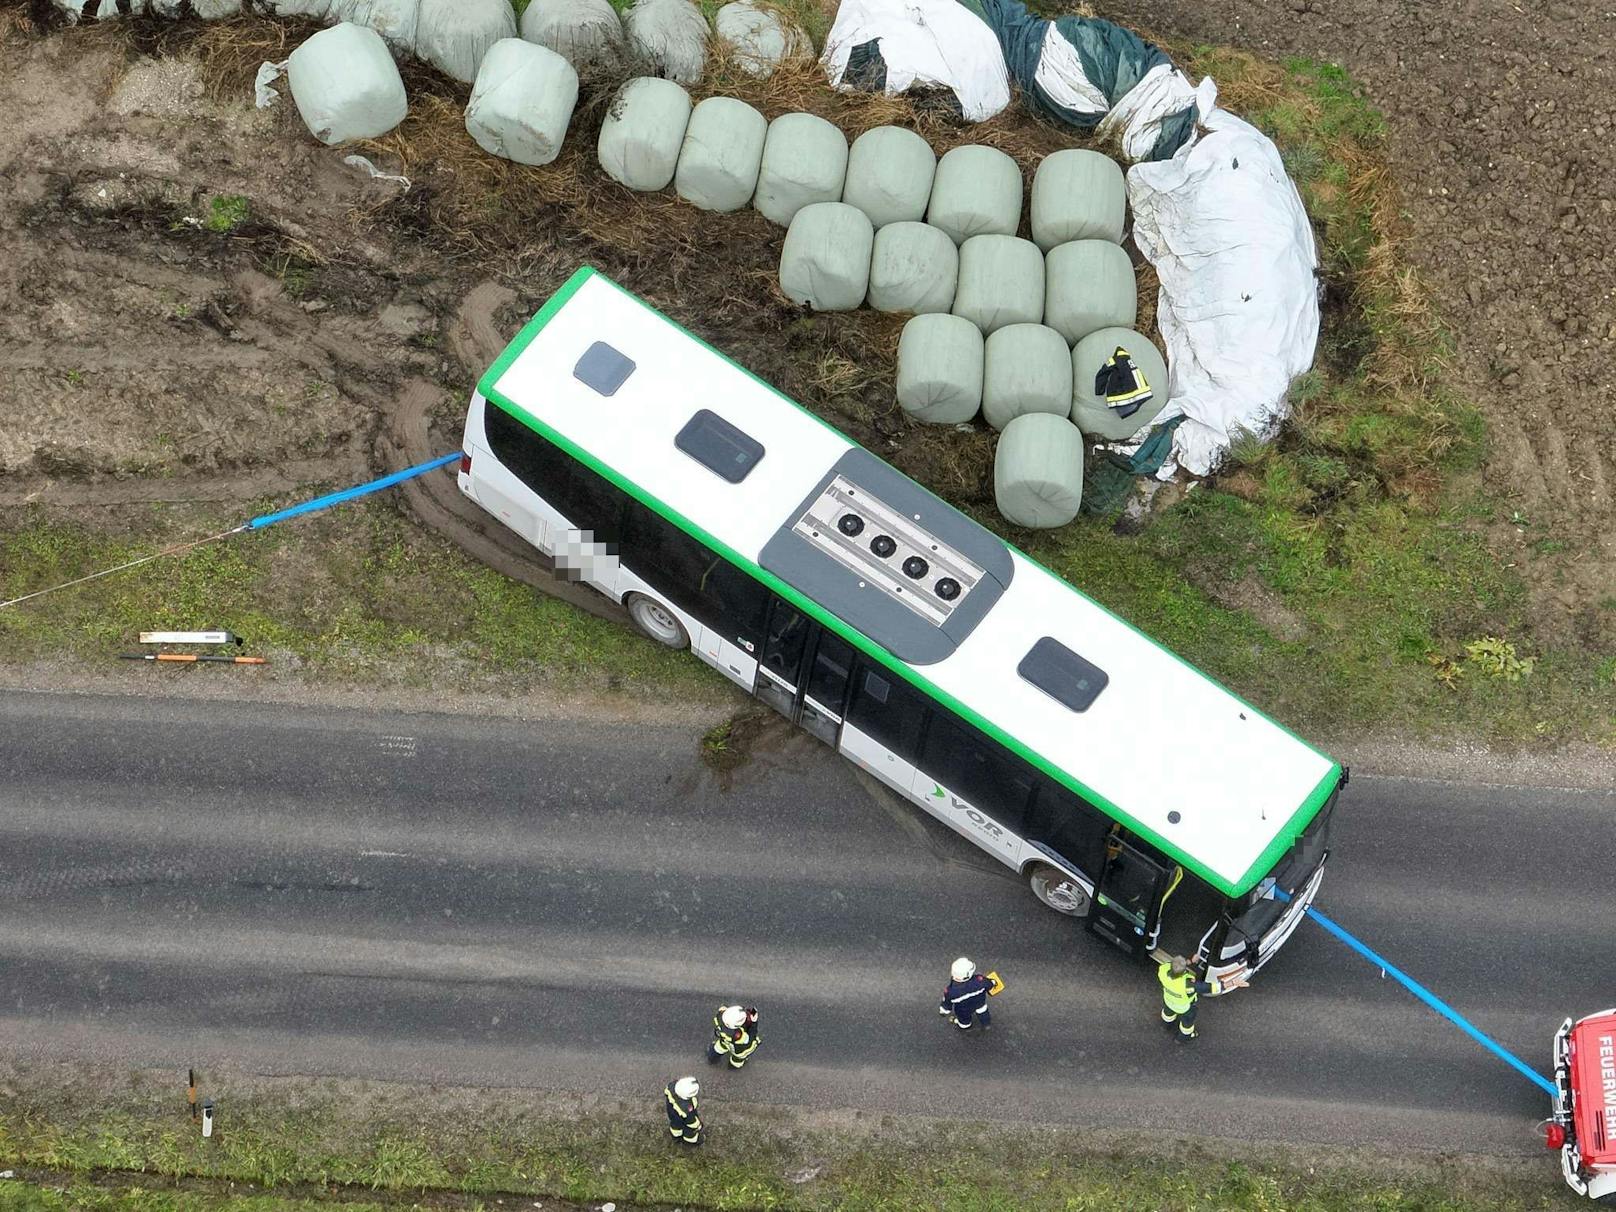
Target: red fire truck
point(1582, 1124)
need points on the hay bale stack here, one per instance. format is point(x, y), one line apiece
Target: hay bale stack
point(1038, 471)
point(522, 102)
point(825, 262)
point(454, 35)
point(804, 161)
point(976, 192)
point(670, 36)
point(1089, 411)
point(346, 84)
point(760, 38)
point(1026, 368)
point(889, 175)
point(586, 33)
point(398, 21)
point(643, 132)
point(913, 267)
point(1001, 281)
point(940, 369)
point(721, 155)
point(1090, 284)
point(1077, 195)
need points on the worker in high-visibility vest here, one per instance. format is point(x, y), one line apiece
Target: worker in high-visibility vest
point(684, 1121)
point(1181, 990)
point(735, 1035)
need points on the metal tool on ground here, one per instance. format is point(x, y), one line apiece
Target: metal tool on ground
point(191, 637)
point(193, 658)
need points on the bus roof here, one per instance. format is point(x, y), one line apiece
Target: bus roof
point(1164, 749)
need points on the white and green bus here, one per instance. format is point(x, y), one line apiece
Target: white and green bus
point(1127, 788)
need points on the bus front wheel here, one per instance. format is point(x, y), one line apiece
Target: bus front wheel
point(657, 621)
point(1059, 891)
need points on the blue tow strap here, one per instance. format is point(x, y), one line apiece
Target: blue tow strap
point(349, 494)
point(1430, 999)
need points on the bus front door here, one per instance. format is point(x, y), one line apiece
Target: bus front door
point(1128, 899)
point(804, 673)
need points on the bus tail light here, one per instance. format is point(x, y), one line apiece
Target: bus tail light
point(465, 463)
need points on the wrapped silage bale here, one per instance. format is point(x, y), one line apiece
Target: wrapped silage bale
point(586, 33)
point(722, 151)
point(804, 161)
point(346, 84)
point(671, 36)
point(522, 101)
point(318, 9)
point(394, 20)
point(889, 174)
point(913, 267)
point(976, 192)
point(1038, 471)
point(1077, 195)
point(1025, 368)
point(760, 38)
point(940, 369)
point(1089, 410)
point(1089, 284)
point(213, 10)
point(1001, 281)
point(825, 261)
point(643, 132)
point(454, 35)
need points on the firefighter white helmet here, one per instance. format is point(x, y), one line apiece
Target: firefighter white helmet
point(963, 969)
point(686, 1087)
point(733, 1017)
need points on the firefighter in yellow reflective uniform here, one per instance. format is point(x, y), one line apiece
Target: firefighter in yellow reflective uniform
point(684, 1122)
point(1180, 992)
point(735, 1035)
point(1122, 383)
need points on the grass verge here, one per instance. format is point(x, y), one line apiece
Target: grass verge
point(295, 1144)
point(358, 593)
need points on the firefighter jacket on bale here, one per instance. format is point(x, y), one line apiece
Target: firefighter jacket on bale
point(684, 1123)
point(964, 1000)
point(737, 1043)
point(1122, 384)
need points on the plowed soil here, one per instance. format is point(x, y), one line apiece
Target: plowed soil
point(146, 357)
point(1501, 133)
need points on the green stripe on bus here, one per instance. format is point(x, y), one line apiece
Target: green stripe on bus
point(1283, 839)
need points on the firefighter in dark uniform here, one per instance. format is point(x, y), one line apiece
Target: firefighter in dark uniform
point(735, 1035)
point(1122, 384)
point(684, 1122)
point(1181, 990)
point(965, 1000)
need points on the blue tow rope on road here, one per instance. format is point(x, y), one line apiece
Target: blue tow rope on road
point(349, 494)
point(1430, 999)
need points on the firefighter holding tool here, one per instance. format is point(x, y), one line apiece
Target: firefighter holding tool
point(965, 999)
point(1181, 990)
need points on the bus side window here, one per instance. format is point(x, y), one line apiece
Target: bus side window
point(977, 769)
point(888, 709)
point(1067, 825)
point(694, 577)
point(586, 499)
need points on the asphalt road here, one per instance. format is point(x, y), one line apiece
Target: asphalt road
point(483, 901)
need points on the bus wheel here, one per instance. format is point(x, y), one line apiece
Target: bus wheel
point(657, 621)
point(1058, 890)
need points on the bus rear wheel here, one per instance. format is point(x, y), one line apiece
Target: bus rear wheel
point(657, 621)
point(1059, 891)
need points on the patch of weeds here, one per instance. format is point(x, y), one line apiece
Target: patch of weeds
point(1495, 657)
point(226, 212)
point(75, 378)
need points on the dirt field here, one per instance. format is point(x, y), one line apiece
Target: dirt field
point(156, 230)
point(1501, 134)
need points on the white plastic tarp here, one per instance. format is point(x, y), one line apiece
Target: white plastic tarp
point(933, 43)
point(1238, 308)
